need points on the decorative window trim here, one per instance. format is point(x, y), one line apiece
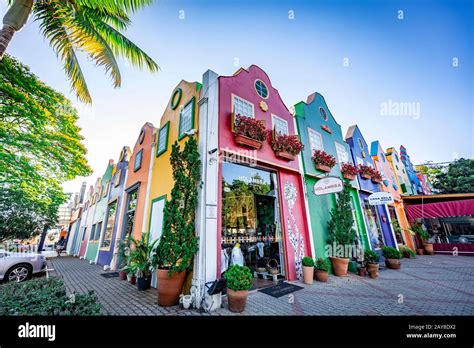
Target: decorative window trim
point(135, 168)
point(158, 151)
point(336, 144)
point(118, 175)
point(192, 102)
point(256, 90)
point(280, 119)
point(176, 98)
point(311, 130)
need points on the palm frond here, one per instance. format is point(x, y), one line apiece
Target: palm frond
point(129, 6)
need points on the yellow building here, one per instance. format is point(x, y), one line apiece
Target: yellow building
point(179, 118)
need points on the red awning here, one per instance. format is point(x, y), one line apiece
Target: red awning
point(440, 209)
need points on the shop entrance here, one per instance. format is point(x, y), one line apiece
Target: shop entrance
point(251, 229)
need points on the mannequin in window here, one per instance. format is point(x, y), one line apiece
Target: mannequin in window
point(237, 256)
point(224, 260)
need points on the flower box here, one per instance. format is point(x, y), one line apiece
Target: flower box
point(285, 155)
point(322, 167)
point(376, 180)
point(249, 142)
point(349, 176)
point(365, 176)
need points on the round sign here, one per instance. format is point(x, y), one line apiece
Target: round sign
point(328, 185)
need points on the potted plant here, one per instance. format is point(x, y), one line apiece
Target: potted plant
point(424, 237)
point(308, 270)
point(174, 254)
point(239, 280)
point(140, 255)
point(285, 146)
point(392, 257)
point(131, 271)
point(321, 272)
point(365, 171)
point(123, 252)
point(362, 269)
point(372, 260)
point(376, 177)
point(407, 252)
point(323, 161)
point(249, 132)
point(349, 171)
point(341, 231)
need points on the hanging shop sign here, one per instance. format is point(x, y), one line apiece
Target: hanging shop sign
point(379, 198)
point(328, 185)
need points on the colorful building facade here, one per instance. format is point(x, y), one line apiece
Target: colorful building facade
point(100, 199)
point(86, 222)
point(411, 172)
point(319, 130)
point(114, 193)
point(132, 208)
point(401, 175)
point(377, 217)
point(390, 185)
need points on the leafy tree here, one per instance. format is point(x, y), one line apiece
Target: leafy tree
point(178, 243)
point(40, 148)
point(458, 178)
point(341, 224)
point(94, 27)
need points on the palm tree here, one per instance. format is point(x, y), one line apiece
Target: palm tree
point(91, 26)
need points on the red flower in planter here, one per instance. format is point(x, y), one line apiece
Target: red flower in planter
point(366, 171)
point(285, 143)
point(376, 176)
point(250, 127)
point(349, 169)
point(323, 158)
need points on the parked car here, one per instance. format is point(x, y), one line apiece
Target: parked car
point(20, 266)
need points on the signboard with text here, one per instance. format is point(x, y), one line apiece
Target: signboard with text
point(328, 185)
point(379, 198)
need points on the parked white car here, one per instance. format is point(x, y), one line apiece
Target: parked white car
point(17, 267)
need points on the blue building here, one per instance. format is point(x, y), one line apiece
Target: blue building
point(416, 185)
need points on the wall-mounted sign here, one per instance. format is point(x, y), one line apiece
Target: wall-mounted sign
point(379, 198)
point(328, 185)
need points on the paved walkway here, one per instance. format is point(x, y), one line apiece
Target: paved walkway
point(427, 285)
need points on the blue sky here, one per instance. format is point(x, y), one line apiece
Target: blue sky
point(407, 60)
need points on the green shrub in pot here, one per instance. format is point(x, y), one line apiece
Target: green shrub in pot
point(239, 280)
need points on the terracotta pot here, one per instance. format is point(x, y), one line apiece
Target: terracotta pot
point(322, 168)
point(348, 176)
point(393, 263)
point(249, 142)
point(122, 275)
point(361, 271)
point(133, 280)
point(237, 300)
point(285, 156)
point(339, 266)
point(420, 251)
point(373, 269)
point(169, 288)
point(365, 176)
point(308, 274)
point(321, 276)
point(428, 248)
point(376, 181)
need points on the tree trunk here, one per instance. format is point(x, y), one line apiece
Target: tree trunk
point(6, 34)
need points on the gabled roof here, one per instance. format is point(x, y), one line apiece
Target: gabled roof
point(374, 148)
point(350, 132)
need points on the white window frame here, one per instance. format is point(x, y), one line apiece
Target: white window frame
point(338, 148)
point(278, 118)
point(234, 97)
point(317, 134)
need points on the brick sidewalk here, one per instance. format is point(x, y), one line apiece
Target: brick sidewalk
point(427, 285)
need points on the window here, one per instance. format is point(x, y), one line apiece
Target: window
point(138, 160)
point(383, 157)
point(109, 228)
point(323, 113)
point(162, 139)
point(396, 157)
point(186, 118)
point(342, 155)
point(118, 174)
point(359, 160)
point(98, 231)
point(280, 125)
point(261, 89)
point(106, 189)
point(130, 212)
point(375, 233)
point(84, 233)
point(315, 140)
point(92, 233)
point(242, 107)
point(141, 136)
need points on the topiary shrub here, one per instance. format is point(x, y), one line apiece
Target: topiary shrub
point(238, 278)
point(371, 257)
point(307, 261)
point(391, 253)
point(322, 264)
